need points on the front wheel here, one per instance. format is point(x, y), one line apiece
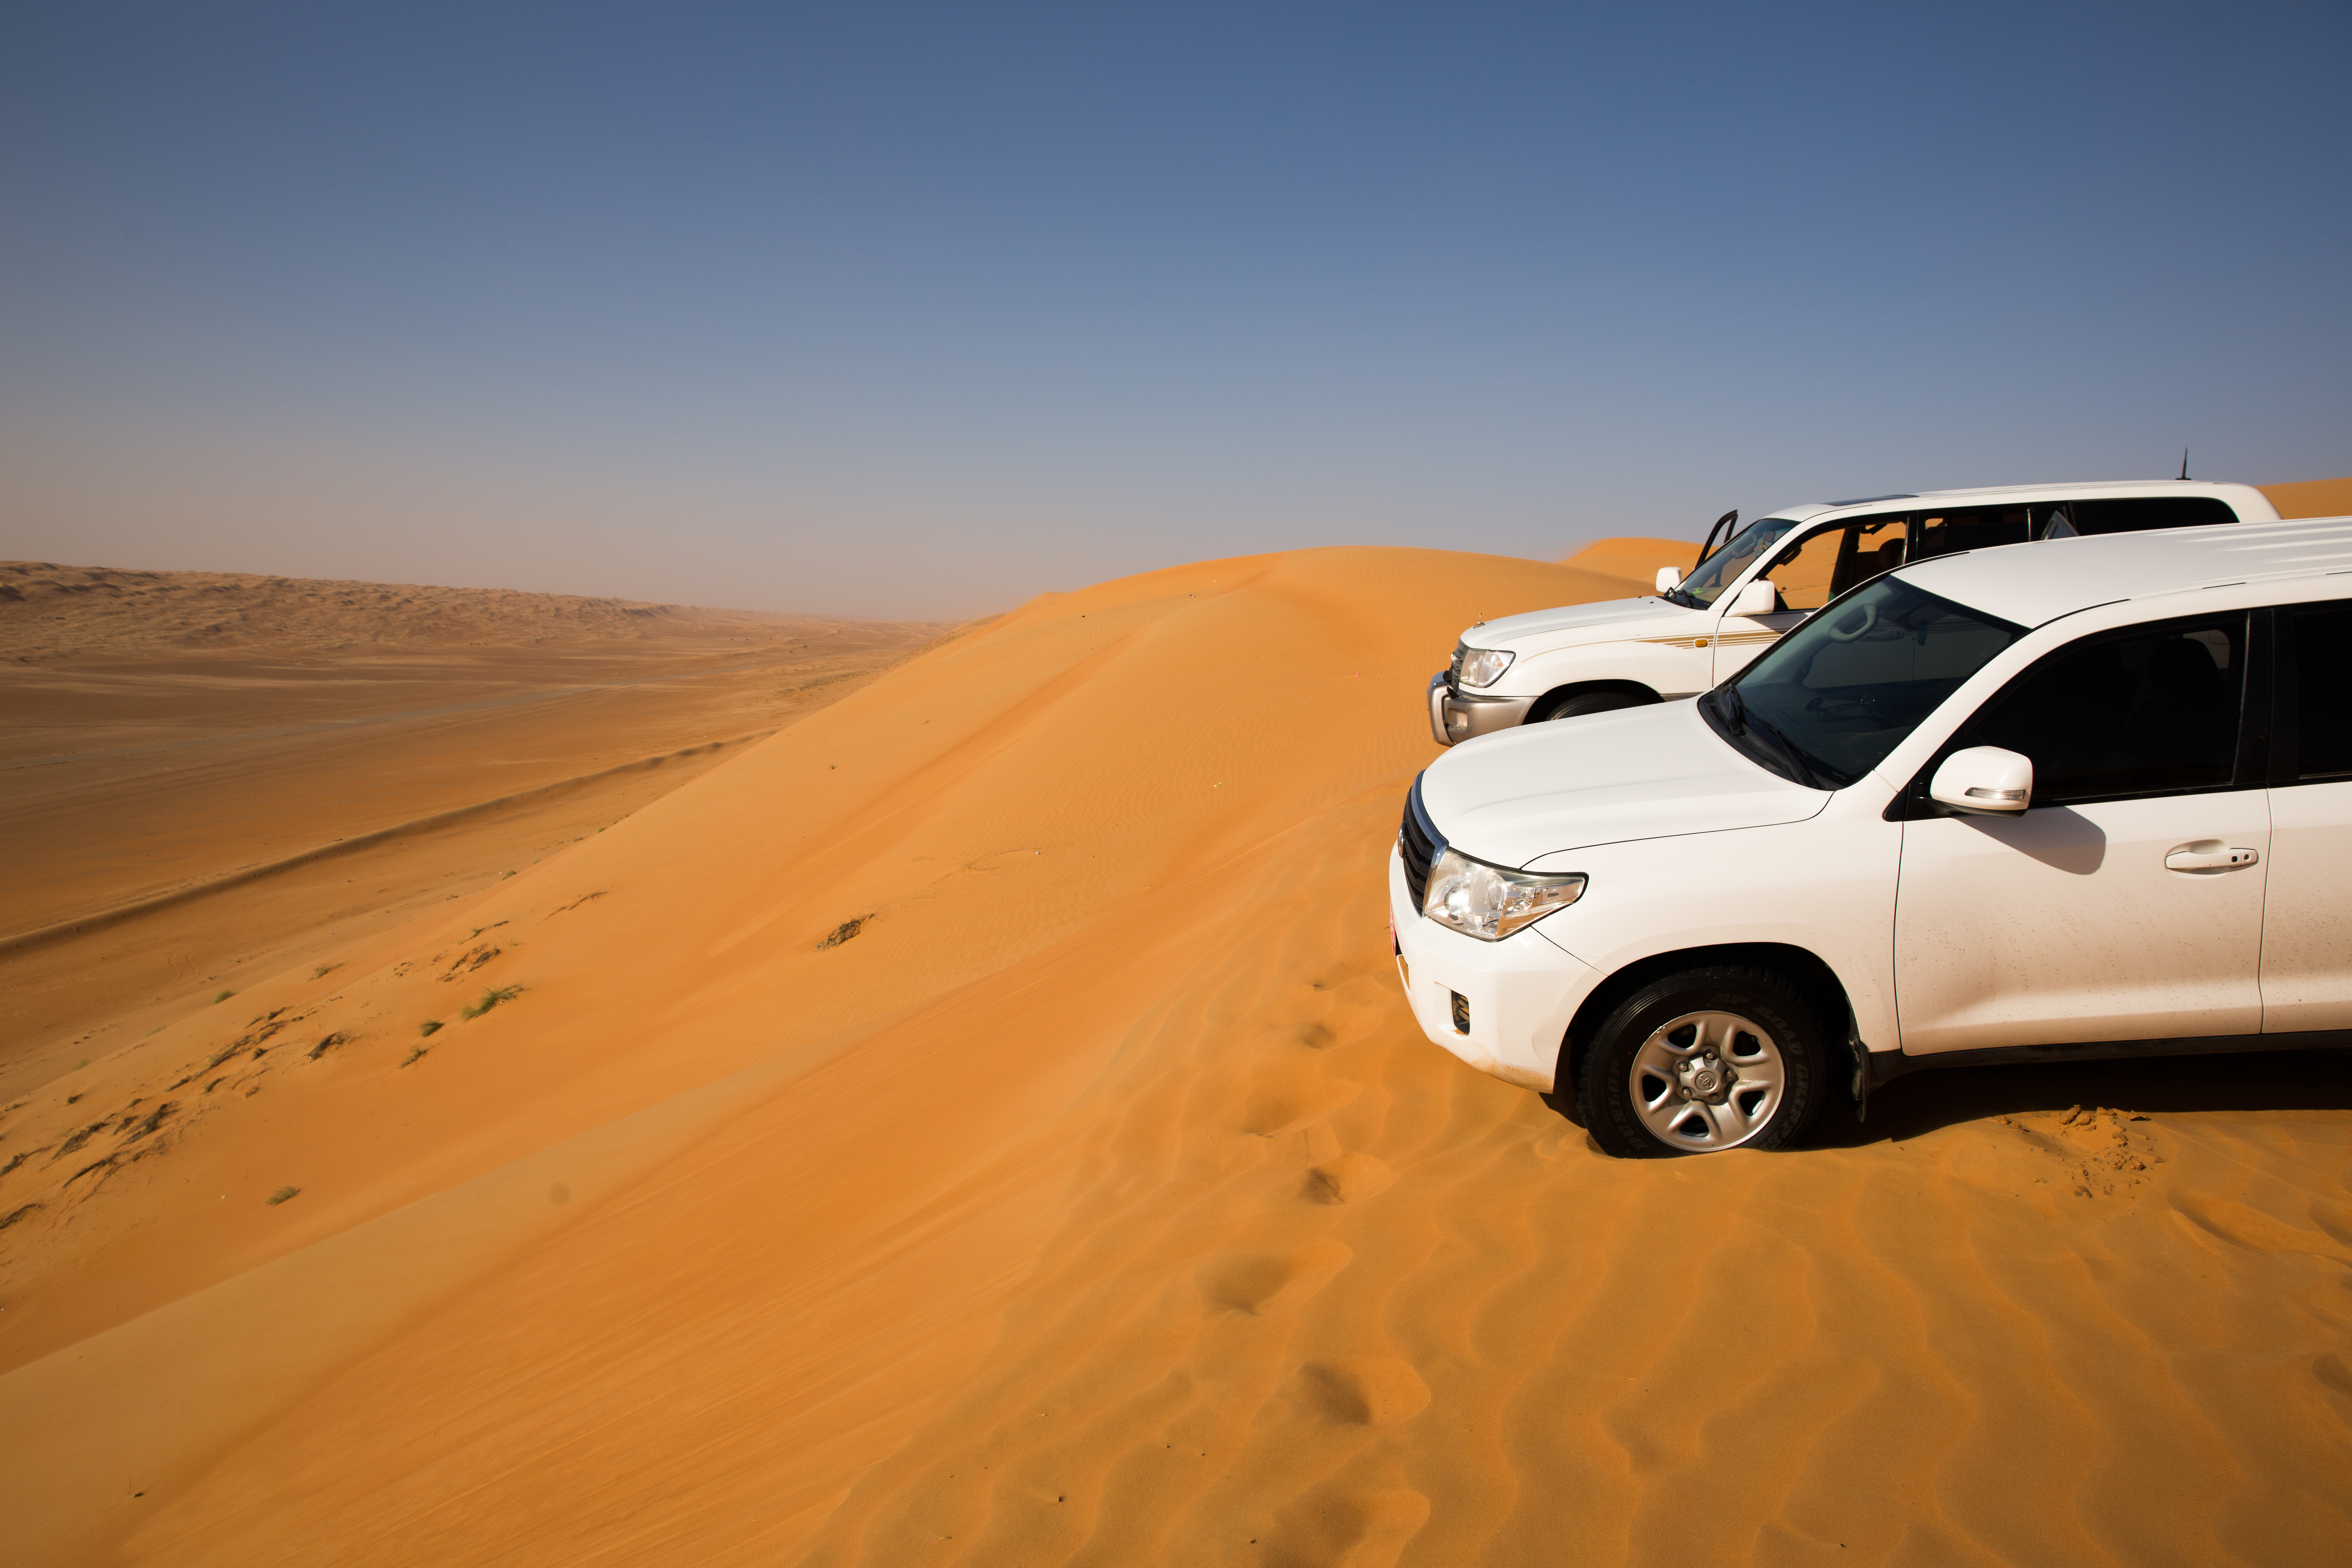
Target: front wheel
point(1721, 1058)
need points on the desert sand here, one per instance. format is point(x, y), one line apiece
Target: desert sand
point(978, 1123)
point(206, 774)
point(2312, 497)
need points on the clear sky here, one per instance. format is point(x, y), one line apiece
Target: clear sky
point(919, 310)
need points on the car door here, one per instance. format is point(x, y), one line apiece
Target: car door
point(1808, 571)
point(2307, 916)
point(2127, 903)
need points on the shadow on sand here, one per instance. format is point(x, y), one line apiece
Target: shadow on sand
point(1920, 1102)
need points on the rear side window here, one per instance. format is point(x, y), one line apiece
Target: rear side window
point(1969, 528)
point(2319, 739)
point(2138, 513)
point(2150, 711)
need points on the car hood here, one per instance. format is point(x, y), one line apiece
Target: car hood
point(1610, 616)
point(1514, 797)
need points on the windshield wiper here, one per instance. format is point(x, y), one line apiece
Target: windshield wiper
point(1741, 721)
point(1791, 750)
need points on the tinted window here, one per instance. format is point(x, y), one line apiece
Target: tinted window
point(1969, 528)
point(2148, 711)
point(2141, 512)
point(1845, 687)
point(1871, 546)
point(2321, 638)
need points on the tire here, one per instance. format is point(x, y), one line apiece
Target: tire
point(1585, 702)
point(1648, 1090)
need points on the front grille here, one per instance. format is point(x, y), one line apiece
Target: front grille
point(1454, 670)
point(1417, 844)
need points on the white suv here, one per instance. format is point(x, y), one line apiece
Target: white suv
point(1697, 631)
point(2090, 798)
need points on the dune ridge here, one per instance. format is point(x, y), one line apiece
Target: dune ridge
point(49, 610)
point(1097, 1202)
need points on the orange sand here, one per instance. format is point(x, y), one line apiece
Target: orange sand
point(2312, 497)
point(1097, 1203)
point(269, 766)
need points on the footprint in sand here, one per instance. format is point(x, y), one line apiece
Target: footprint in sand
point(1261, 1283)
point(1286, 1109)
point(1351, 1178)
point(1334, 1526)
point(2331, 1378)
point(1364, 1391)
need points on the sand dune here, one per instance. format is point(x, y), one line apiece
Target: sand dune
point(978, 1124)
point(259, 767)
point(53, 611)
point(2312, 497)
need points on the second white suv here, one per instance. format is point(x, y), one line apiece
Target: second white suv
point(2090, 798)
point(1694, 632)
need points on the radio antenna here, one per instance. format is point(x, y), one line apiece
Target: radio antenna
point(2184, 462)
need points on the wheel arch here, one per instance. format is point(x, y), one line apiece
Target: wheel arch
point(1805, 968)
point(1543, 706)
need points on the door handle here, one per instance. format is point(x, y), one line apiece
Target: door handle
point(2196, 858)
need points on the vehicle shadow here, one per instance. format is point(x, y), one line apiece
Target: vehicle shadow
point(1922, 1101)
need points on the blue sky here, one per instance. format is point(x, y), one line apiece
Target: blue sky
point(918, 310)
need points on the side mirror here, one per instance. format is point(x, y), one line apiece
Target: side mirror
point(1984, 781)
point(1668, 579)
point(1758, 598)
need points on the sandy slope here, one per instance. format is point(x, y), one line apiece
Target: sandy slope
point(2312, 497)
point(209, 778)
point(1097, 1202)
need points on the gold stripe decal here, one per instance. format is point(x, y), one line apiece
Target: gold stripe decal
point(1702, 642)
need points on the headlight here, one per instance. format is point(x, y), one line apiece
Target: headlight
point(1490, 903)
point(1484, 666)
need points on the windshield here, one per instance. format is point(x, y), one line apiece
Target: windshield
point(1827, 703)
point(1707, 584)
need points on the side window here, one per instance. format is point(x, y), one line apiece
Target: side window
point(2151, 711)
point(1872, 546)
point(1816, 570)
point(2320, 636)
point(1803, 571)
point(1969, 528)
point(2135, 514)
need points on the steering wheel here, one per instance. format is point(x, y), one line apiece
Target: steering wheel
point(1869, 619)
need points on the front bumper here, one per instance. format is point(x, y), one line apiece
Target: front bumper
point(1520, 993)
point(1455, 716)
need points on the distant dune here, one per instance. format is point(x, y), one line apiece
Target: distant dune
point(978, 1124)
point(48, 611)
point(2312, 497)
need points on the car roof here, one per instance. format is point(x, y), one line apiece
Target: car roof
point(2028, 585)
point(2248, 503)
